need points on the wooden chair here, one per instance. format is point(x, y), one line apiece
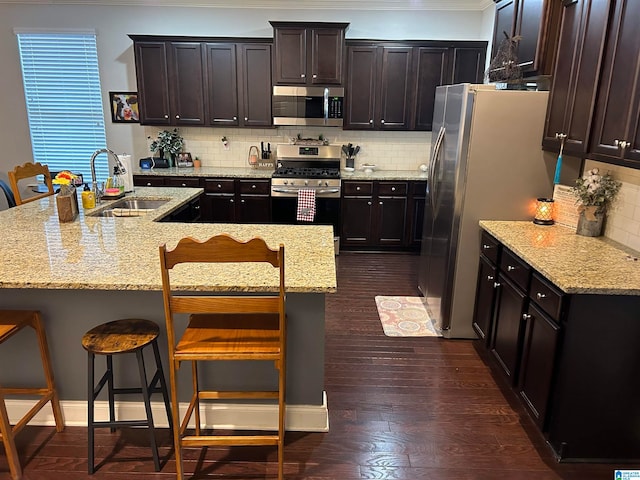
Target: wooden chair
point(224, 327)
point(30, 170)
point(11, 322)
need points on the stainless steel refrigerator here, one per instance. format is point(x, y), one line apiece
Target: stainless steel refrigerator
point(486, 164)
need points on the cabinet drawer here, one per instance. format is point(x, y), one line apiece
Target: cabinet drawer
point(219, 185)
point(255, 186)
point(546, 296)
point(357, 188)
point(419, 189)
point(148, 181)
point(515, 269)
point(392, 188)
point(182, 182)
point(490, 247)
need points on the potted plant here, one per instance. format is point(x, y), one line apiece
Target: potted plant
point(595, 193)
point(168, 144)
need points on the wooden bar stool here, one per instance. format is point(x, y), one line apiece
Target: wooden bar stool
point(11, 322)
point(114, 338)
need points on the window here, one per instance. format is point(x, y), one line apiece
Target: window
point(64, 100)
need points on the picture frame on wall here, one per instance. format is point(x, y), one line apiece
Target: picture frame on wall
point(124, 107)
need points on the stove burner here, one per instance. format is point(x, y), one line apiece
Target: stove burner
point(306, 172)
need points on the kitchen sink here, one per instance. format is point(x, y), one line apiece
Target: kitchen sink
point(131, 207)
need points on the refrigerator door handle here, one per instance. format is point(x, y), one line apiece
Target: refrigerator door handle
point(432, 166)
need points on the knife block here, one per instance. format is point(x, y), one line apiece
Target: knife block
point(67, 203)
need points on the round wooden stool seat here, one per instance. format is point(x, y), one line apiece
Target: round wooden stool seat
point(120, 336)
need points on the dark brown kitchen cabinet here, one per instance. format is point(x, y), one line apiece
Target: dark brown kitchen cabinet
point(616, 130)
point(536, 22)
point(170, 82)
point(486, 292)
point(392, 85)
point(308, 53)
point(239, 84)
point(374, 214)
point(148, 181)
point(572, 98)
point(236, 200)
point(415, 213)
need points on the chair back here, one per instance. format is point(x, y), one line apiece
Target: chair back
point(11, 201)
point(30, 170)
point(220, 249)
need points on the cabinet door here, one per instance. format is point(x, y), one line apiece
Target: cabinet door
point(356, 221)
point(396, 89)
point(219, 208)
point(186, 83)
point(508, 330)
point(572, 99)
point(537, 25)
point(538, 359)
point(468, 64)
point(391, 221)
point(485, 301)
point(290, 56)
point(432, 70)
point(254, 209)
point(327, 56)
point(615, 132)
point(416, 214)
point(153, 82)
point(504, 23)
point(255, 75)
point(222, 84)
point(361, 88)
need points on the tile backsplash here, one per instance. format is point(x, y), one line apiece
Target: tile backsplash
point(623, 221)
point(386, 150)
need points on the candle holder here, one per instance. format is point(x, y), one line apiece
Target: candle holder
point(544, 212)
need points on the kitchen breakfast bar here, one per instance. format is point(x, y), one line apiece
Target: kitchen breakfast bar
point(99, 268)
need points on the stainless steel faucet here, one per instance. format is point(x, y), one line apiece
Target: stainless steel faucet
point(94, 183)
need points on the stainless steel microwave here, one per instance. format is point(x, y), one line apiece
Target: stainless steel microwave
point(321, 106)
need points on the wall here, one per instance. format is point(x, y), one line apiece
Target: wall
point(117, 70)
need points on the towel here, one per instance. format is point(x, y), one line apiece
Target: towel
point(306, 205)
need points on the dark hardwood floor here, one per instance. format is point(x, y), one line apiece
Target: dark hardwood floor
point(400, 408)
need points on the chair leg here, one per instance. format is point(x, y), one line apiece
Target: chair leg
point(90, 414)
point(110, 388)
point(147, 406)
point(175, 416)
point(196, 389)
point(48, 371)
point(281, 417)
point(9, 442)
point(163, 384)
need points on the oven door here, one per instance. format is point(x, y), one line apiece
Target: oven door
point(284, 210)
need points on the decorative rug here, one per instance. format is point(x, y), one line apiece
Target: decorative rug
point(405, 317)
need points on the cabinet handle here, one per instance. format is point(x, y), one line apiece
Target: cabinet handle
point(177, 116)
point(368, 203)
point(540, 296)
point(148, 184)
point(184, 184)
point(381, 121)
point(315, 76)
point(380, 203)
point(357, 189)
point(302, 75)
point(231, 201)
point(393, 189)
point(510, 268)
point(235, 118)
point(489, 278)
point(560, 136)
point(621, 143)
point(496, 284)
point(246, 119)
point(371, 121)
point(485, 246)
point(166, 116)
point(219, 186)
point(526, 316)
point(241, 201)
point(253, 186)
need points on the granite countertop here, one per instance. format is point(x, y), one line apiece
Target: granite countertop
point(248, 172)
point(113, 253)
point(574, 263)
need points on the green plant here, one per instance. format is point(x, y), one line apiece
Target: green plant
point(596, 190)
point(168, 141)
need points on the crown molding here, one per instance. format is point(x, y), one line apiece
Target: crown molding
point(455, 5)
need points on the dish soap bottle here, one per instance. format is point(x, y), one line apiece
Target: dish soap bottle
point(88, 198)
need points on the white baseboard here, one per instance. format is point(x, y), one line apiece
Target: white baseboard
point(300, 418)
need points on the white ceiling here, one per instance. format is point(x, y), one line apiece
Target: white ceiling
point(285, 4)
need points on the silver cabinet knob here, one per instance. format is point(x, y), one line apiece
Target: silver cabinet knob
point(148, 184)
point(242, 201)
point(489, 278)
point(368, 203)
point(496, 284)
point(231, 201)
point(235, 118)
point(526, 316)
point(315, 76)
point(510, 268)
point(302, 75)
point(166, 116)
point(380, 203)
point(184, 184)
point(621, 143)
point(540, 296)
point(177, 116)
point(357, 189)
point(486, 247)
point(246, 119)
point(371, 121)
point(393, 189)
point(381, 121)
point(253, 186)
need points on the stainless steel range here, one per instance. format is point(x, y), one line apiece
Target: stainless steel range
point(314, 167)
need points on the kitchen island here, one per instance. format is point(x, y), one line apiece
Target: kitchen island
point(96, 269)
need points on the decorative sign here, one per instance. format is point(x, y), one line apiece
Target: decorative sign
point(566, 209)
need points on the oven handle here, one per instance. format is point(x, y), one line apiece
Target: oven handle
point(293, 190)
point(326, 105)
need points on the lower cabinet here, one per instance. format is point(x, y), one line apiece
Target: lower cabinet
point(236, 200)
point(188, 213)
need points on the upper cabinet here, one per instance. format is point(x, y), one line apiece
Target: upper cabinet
point(170, 82)
point(595, 100)
point(308, 53)
point(203, 81)
point(536, 23)
point(392, 85)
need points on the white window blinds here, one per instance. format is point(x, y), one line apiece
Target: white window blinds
point(64, 101)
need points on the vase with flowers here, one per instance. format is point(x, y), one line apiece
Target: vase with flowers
point(595, 194)
point(168, 143)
